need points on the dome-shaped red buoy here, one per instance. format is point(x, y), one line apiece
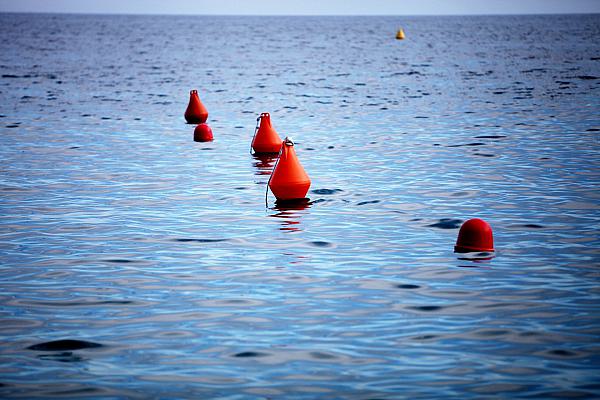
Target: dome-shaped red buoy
point(474, 235)
point(266, 139)
point(195, 113)
point(289, 181)
point(203, 133)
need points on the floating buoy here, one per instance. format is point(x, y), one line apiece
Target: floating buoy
point(475, 235)
point(203, 133)
point(195, 113)
point(266, 139)
point(400, 34)
point(289, 181)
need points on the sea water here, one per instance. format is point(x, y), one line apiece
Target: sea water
point(137, 263)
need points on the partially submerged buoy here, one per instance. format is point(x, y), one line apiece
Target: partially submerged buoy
point(266, 139)
point(289, 181)
point(203, 133)
point(400, 34)
point(475, 235)
point(195, 113)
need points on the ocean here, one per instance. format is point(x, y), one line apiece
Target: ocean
point(137, 263)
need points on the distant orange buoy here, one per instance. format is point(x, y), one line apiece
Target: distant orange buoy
point(266, 140)
point(203, 133)
point(474, 235)
point(400, 34)
point(195, 113)
point(289, 181)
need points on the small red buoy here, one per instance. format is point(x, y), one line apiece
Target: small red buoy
point(203, 133)
point(289, 181)
point(195, 113)
point(474, 235)
point(266, 139)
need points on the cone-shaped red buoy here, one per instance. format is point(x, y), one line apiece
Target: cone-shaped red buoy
point(289, 181)
point(203, 133)
point(266, 139)
point(474, 235)
point(195, 113)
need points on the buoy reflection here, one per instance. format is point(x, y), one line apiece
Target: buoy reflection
point(290, 213)
point(264, 163)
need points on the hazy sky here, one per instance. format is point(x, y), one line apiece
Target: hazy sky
point(305, 7)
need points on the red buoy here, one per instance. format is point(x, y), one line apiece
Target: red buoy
point(266, 139)
point(289, 181)
point(474, 235)
point(203, 133)
point(195, 113)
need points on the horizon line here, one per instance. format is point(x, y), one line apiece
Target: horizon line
point(295, 15)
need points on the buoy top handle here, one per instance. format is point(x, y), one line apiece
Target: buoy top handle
point(288, 141)
point(193, 91)
point(265, 115)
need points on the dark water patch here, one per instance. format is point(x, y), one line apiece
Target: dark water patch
point(326, 191)
point(12, 126)
point(425, 308)
point(187, 240)
point(64, 345)
point(529, 71)
point(593, 130)
point(77, 392)
point(421, 116)
point(447, 223)
point(490, 137)
point(532, 226)
point(467, 144)
point(13, 189)
point(407, 286)
point(425, 337)
point(562, 353)
point(362, 203)
point(460, 194)
point(530, 333)
point(320, 243)
point(120, 260)
point(484, 155)
point(587, 77)
point(563, 394)
point(65, 356)
point(321, 201)
point(590, 386)
point(84, 303)
point(105, 118)
point(492, 332)
point(318, 355)
point(250, 354)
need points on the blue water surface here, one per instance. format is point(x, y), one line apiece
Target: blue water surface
point(137, 263)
